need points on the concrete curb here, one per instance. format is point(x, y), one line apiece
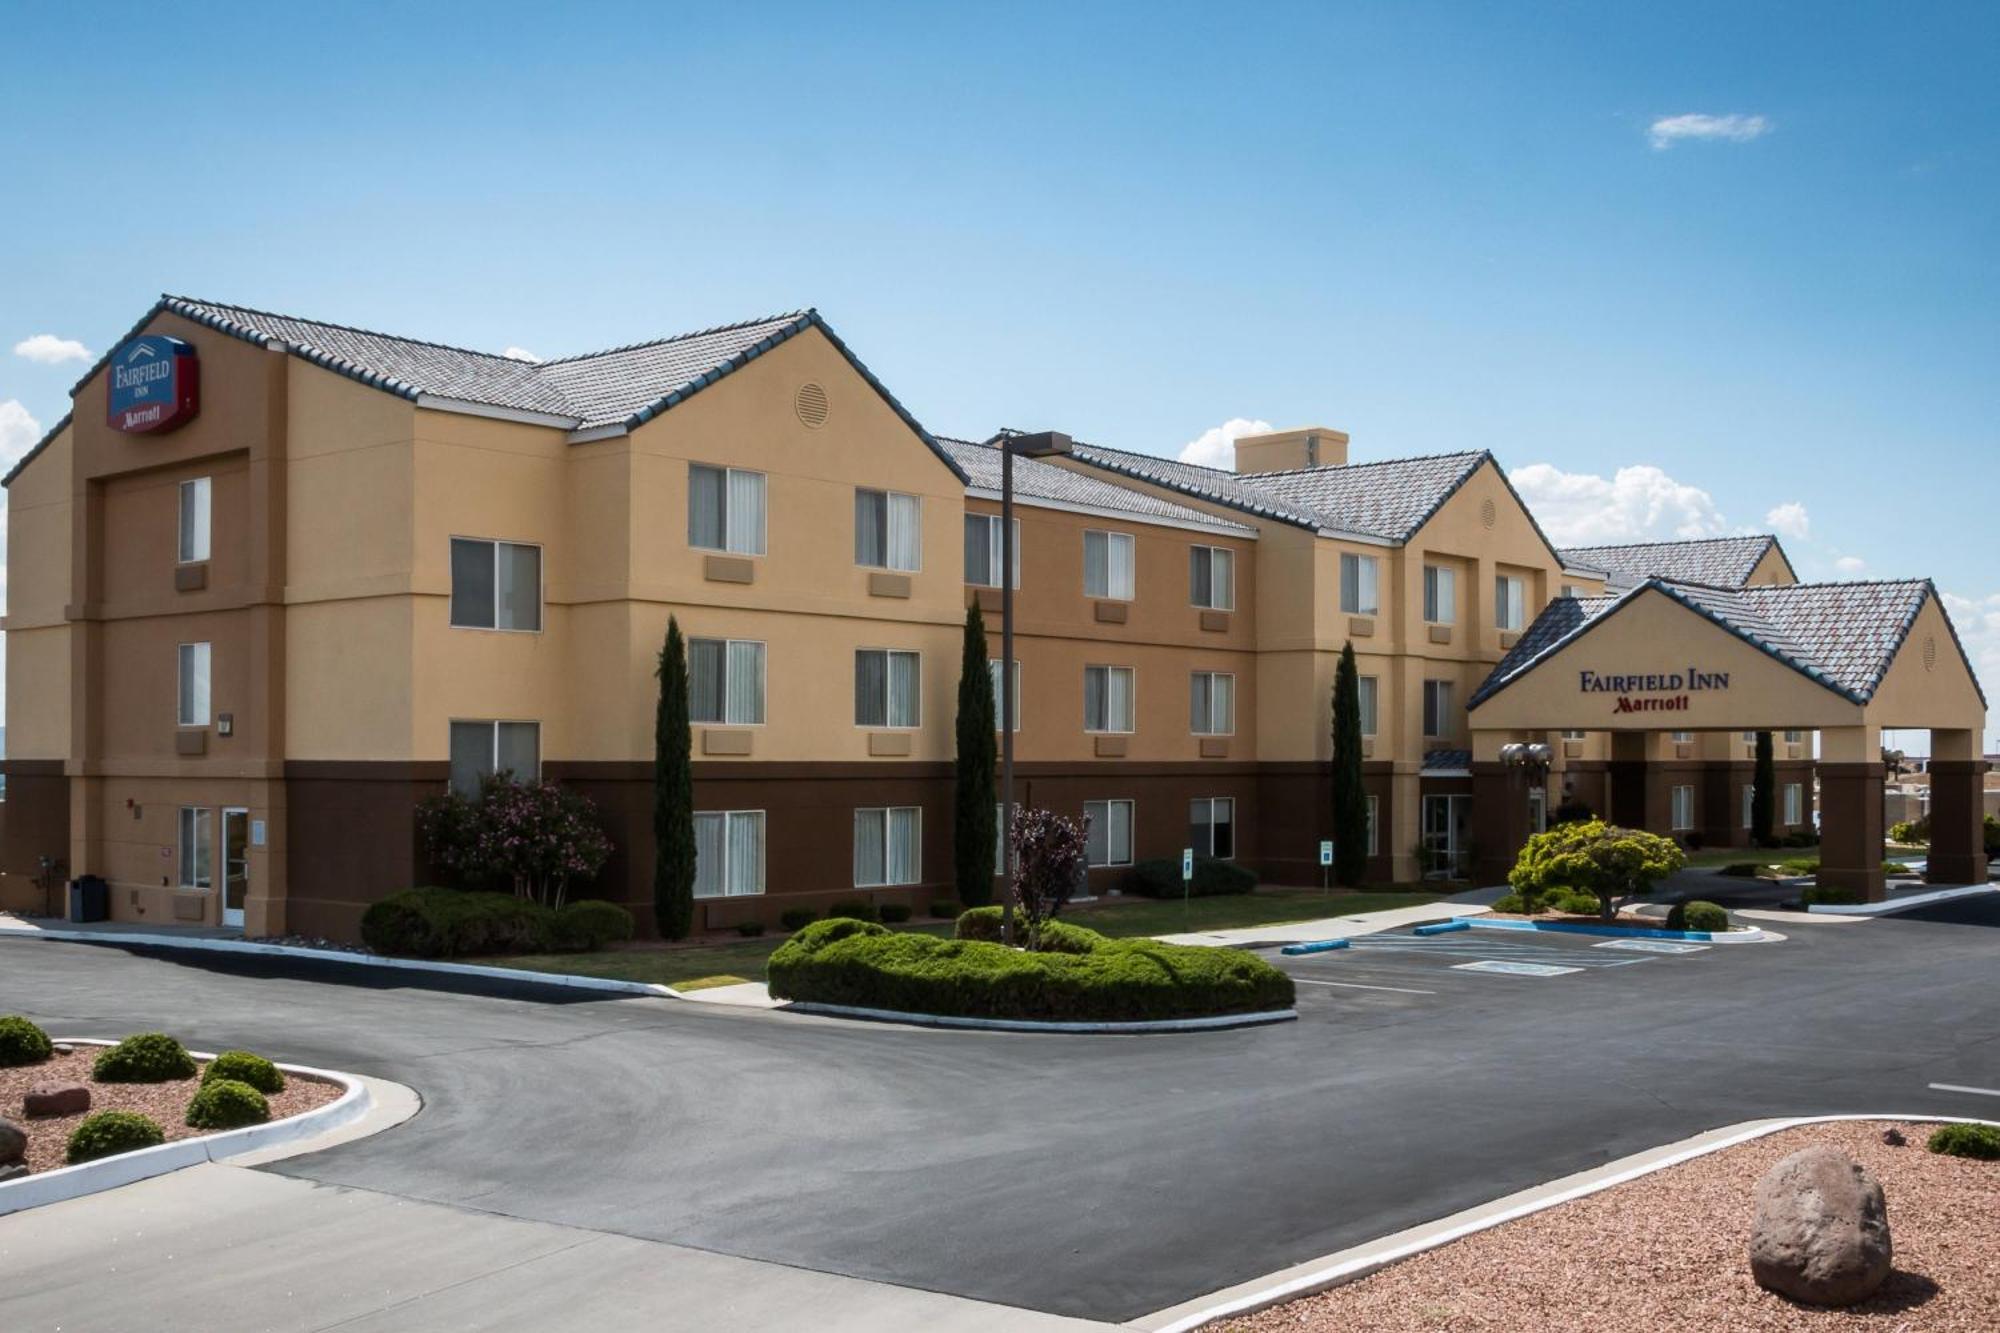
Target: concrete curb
point(1360, 1261)
point(1895, 905)
point(569, 979)
point(1749, 935)
point(71, 1182)
point(1212, 1023)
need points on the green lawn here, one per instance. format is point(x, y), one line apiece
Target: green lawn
point(693, 966)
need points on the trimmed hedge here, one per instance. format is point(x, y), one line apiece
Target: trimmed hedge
point(588, 924)
point(983, 923)
point(243, 1067)
point(150, 1057)
point(1979, 1142)
point(109, 1133)
point(1697, 914)
point(449, 923)
point(860, 964)
point(22, 1043)
point(1162, 879)
point(227, 1104)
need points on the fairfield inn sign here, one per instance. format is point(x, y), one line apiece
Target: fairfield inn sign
point(155, 385)
point(1665, 692)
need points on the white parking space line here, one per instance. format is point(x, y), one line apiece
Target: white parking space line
point(1960, 1087)
point(1355, 985)
point(1517, 969)
point(1651, 946)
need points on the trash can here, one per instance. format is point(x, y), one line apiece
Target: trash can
point(89, 899)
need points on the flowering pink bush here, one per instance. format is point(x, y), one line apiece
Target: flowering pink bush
point(532, 837)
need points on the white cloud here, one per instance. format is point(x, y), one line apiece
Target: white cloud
point(1639, 503)
point(1977, 620)
point(18, 433)
point(520, 354)
point(1850, 564)
point(48, 350)
point(1667, 131)
point(1788, 520)
point(1216, 446)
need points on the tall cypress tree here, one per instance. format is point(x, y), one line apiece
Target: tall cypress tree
point(1763, 793)
point(974, 824)
point(1350, 797)
point(673, 794)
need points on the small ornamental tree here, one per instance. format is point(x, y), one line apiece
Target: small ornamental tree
point(974, 820)
point(534, 839)
point(1350, 797)
point(1051, 855)
point(1594, 857)
point(1763, 793)
point(673, 794)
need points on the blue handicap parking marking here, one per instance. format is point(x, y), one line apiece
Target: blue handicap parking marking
point(1516, 969)
point(1651, 946)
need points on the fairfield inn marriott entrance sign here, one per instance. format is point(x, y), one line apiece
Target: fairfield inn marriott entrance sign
point(1665, 692)
point(155, 385)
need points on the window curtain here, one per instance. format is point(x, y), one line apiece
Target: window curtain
point(1118, 698)
point(1094, 715)
point(1222, 704)
point(1118, 832)
point(194, 519)
point(870, 858)
point(706, 698)
point(904, 690)
point(1096, 564)
point(519, 750)
point(518, 599)
point(1119, 550)
point(906, 533)
point(709, 854)
point(904, 845)
point(471, 583)
point(871, 687)
point(1201, 576)
point(1201, 829)
point(746, 513)
point(471, 756)
point(744, 697)
point(705, 507)
point(1201, 700)
point(1097, 838)
point(871, 528)
point(981, 563)
point(1222, 579)
point(1365, 693)
point(746, 853)
point(194, 684)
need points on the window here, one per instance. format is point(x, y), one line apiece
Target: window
point(1357, 585)
point(1795, 808)
point(1749, 738)
point(888, 530)
point(1107, 698)
point(1366, 692)
point(1683, 808)
point(1794, 737)
point(1107, 565)
point(1538, 809)
point(982, 550)
point(1212, 703)
point(1212, 827)
point(887, 692)
point(725, 509)
point(495, 585)
point(1681, 737)
point(1438, 719)
point(194, 677)
point(1510, 601)
point(1374, 803)
point(999, 710)
point(726, 682)
point(1569, 590)
point(1440, 595)
point(728, 853)
point(1212, 577)
point(1109, 841)
point(479, 749)
point(195, 515)
point(197, 847)
point(1749, 806)
point(1575, 735)
point(888, 846)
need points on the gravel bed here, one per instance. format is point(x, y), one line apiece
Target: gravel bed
point(166, 1103)
point(1670, 1251)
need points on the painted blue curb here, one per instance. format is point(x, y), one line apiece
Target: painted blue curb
point(1313, 946)
point(1441, 927)
point(1585, 928)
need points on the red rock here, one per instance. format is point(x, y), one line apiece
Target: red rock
point(56, 1099)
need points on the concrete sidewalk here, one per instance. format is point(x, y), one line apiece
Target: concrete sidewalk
point(224, 1247)
point(1471, 903)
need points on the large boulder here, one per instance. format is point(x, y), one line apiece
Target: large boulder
point(1821, 1234)
point(13, 1142)
point(56, 1099)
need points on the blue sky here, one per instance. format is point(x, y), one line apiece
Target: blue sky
point(1685, 269)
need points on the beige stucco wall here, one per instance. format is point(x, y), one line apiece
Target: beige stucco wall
point(1942, 694)
point(38, 588)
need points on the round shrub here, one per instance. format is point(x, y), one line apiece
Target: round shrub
point(894, 914)
point(983, 923)
point(1697, 915)
point(22, 1043)
point(797, 918)
point(1979, 1142)
point(1162, 879)
point(451, 923)
point(822, 933)
point(227, 1104)
point(589, 924)
point(109, 1133)
point(859, 909)
point(945, 908)
point(243, 1067)
point(749, 930)
point(150, 1057)
point(1510, 902)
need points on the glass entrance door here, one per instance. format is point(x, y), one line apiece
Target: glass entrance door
point(235, 864)
point(1446, 821)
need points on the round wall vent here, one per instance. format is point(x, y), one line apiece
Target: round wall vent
point(811, 405)
point(1488, 515)
point(1930, 652)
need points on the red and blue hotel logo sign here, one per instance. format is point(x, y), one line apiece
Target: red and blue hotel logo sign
point(155, 385)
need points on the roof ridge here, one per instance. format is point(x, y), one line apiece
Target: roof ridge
point(1373, 462)
point(1839, 583)
point(1677, 541)
point(170, 299)
point(783, 317)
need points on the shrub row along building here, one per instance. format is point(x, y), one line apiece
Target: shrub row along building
point(275, 581)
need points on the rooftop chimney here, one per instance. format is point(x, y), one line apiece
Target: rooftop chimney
point(1289, 450)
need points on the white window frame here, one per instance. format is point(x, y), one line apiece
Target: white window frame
point(1440, 595)
point(993, 678)
point(1206, 726)
point(1131, 830)
point(1575, 735)
point(1437, 725)
point(916, 854)
point(1795, 738)
point(1131, 700)
point(1213, 802)
point(1367, 590)
point(732, 543)
point(195, 539)
point(732, 715)
point(493, 725)
point(1368, 696)
point(1795, 804)
point(1680, 808)
point(1227, 584)
point(894, 503)
point(991, 523)
point(1510, 602)
point(194, 667)
point(725, 875)
point(1681, 737)
point(541, 586)
point(196, 835)
point(888, 690)
point(1113, 590)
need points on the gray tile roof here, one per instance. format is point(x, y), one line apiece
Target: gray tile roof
point(1443, 763)
point(1036, 480)
point(1842, 635)
point(1720, 562)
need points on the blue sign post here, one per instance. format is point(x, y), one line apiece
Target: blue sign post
point(1187, 881)
point(1325, 861)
